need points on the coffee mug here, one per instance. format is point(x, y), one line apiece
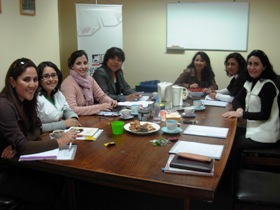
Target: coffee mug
point(56, 134)
point(189, 110)
point(171, 125)
point(135, 108)
point(125, 113)
point(197, 103)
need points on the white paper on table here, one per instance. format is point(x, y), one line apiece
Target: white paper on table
point(209, 150)
point(129, 103)
point(55, 154)
point(208, 131)
point(211, 102)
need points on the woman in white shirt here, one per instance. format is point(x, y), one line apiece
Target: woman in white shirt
point(53, 109)
point(235, 66)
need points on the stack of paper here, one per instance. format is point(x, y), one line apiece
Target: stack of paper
point(208, 131)
point(209, 150)
point(55, 154)
point(210, 102)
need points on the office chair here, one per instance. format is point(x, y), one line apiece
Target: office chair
point(257, 184)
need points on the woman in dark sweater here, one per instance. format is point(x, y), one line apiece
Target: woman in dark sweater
point(20, 130)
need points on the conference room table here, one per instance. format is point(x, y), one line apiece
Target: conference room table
point(135, 164)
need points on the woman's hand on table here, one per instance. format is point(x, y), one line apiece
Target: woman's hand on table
point(133, 97)
point(8, 152)
point(72, 122)
point(106, 107)
point(233, 114)
point(194, 85)
point(67, 138)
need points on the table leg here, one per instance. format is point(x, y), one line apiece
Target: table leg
point(71, 194)
point(187, 202)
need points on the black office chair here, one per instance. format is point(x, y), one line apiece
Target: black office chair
point(257, 184)
point(10, 203)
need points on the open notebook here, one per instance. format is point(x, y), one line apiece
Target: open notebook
point(55, 154)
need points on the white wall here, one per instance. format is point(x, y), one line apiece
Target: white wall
point(35, 37)
point(144, 24)
point(144, 34)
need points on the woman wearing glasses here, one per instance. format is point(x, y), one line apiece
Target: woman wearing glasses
point(53, 109)
point(20, 130)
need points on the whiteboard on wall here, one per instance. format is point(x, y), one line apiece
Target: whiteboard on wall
point(208, 26)
point(99, 27)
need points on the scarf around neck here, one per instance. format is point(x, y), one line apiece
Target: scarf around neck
point(85, 84)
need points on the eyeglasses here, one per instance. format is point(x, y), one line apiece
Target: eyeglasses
point(47, 76)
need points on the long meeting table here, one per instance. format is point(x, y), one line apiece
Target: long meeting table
point(134, 164)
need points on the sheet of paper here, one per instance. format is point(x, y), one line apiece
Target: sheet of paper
point(209, 150)
point(129, 103)
point(212, 102)
point(209, 131)
point(67, 154)
point(108, 114)
point(143, 98)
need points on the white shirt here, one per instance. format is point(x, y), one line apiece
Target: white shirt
point(52, 115)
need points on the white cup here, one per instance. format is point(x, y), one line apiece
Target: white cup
point(171, 125)
point(189, 110)
point(197, 103)
point(135, 108)
point(56, 134)
point(125, 113)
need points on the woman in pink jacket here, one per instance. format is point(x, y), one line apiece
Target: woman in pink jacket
point(81, 91)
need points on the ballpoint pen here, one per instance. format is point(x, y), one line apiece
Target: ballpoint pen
point(70, 145)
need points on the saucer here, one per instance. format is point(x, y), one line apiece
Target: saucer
point(201, 108)
point(177, 130)
point(127, 118)
point(189, 115)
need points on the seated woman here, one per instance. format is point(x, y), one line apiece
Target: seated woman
point(53, 109)
point(198, 74)
point(111, 79)
point(20, 130)
point(81, 91)
point(257, 103)
point(235, 67)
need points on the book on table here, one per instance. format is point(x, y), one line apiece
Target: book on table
point(86, 133)
point(195, 165)
point(169, 169)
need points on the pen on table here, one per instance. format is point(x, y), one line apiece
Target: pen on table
point(70, 145)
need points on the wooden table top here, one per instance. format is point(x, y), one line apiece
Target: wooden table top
point(133, 163)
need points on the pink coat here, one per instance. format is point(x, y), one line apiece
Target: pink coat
point(76, 100)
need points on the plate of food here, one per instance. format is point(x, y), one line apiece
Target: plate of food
point(141, 127)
